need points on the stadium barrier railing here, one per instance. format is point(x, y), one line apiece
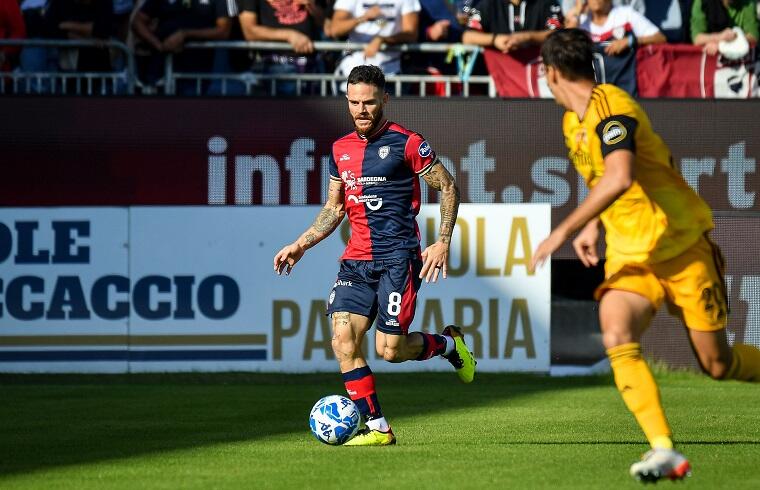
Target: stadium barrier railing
point(327, 83)
point(51, 80)
point(123, 80)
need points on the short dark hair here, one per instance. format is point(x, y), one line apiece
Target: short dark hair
point(571, 52)
point(369, 74)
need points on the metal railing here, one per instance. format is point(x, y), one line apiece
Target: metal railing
point(125, 80)
point(71, 82)
point(326, 83)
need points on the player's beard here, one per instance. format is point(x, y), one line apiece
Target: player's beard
point(375, 121)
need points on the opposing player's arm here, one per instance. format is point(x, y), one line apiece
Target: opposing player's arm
point(617, 136)
point(327, 221)
point(436, 256)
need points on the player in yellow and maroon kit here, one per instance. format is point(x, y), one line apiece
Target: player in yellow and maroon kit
point(658, 249)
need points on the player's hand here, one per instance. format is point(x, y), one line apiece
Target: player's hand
point(546, 248)
point(616, 47)
point(287, 258)
point(372, 47)
point(300, 42)
point(174, 43)
point(585, 244)
point(435, 259)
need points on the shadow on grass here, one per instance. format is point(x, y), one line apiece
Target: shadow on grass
point(54, 420)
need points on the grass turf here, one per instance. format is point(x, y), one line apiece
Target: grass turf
point(250, 431)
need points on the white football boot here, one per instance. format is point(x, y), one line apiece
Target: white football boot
point(657, 464)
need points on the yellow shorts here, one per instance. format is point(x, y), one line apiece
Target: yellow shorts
point(692, 284)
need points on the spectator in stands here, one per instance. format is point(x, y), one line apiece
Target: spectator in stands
point(81, 19)
point(166, 25)
point(507, 25)
point(670, 16)
point(620, 28)
point(122, 10)
point(297, 22)
point(439, 22)
point(11, 27)
point(386, 22)
point(637, 5)
point(712, 21)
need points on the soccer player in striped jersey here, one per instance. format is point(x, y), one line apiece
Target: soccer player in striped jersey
point(374, 178)
point(658, 248)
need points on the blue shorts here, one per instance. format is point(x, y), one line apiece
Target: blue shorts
point(386, 289)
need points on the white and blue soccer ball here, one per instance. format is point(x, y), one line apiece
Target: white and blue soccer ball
point(334, 419)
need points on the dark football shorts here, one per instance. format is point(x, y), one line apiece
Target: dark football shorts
point(383, 289)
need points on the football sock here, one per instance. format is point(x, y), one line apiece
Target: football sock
point(378, 424)
point(449, 345)
point(746, 363)
point(360, 385)
point(432, 345)
point(640, 393)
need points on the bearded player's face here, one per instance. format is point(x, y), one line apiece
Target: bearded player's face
point(365, 103)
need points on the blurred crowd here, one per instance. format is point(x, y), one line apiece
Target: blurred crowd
point(152, 28)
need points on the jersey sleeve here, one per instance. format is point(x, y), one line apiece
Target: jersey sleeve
point(419, 156)
point(347, 5)
point(410, 7)
point(617, 132)
point(225, 9)
point(641, 25)
point(477, 20)
point(334, 174)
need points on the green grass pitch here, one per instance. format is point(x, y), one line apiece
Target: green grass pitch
point(251, 431)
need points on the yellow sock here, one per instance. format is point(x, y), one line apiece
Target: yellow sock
point(637, 386)
point(746, 364)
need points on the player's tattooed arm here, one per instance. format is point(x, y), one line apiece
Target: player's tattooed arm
point(327, 220)
point(329, 216)
point(439, 178)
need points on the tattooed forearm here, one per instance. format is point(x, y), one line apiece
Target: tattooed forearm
point(440, 178)
point(326, 221)
point(449, 210)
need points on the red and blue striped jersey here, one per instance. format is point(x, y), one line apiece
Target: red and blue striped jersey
point(380, 175)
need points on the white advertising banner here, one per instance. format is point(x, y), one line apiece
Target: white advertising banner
point(64, 284)
point(192, 288)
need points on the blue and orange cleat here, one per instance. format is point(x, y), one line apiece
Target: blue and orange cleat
point(461, 357)
point(369, 437)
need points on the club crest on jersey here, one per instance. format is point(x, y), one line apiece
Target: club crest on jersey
point(349, 178)
point(424, 150)
point(383, 152)
point(614, 132)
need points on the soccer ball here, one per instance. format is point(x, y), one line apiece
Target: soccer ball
point(334, 419)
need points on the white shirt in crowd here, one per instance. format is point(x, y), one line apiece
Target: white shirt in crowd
point(386, 25)
point(638, 5)
point(615, 26)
